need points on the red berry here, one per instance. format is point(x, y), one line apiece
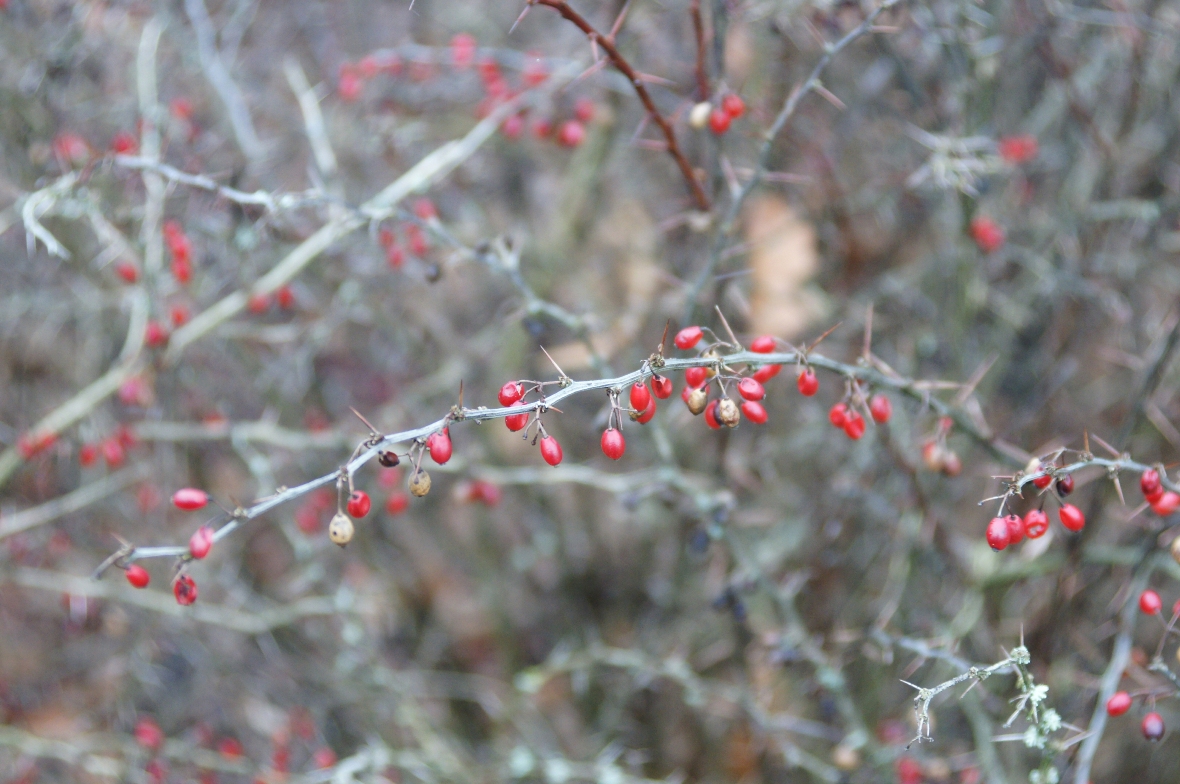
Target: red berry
point(184, 588)
point(395, 256)
point(766, 372)
point(719, 121)
point(462, 56)
point(838, 414)
point(751, 389)
point(425, 209)
point(755, 412)
point(763, 345)
point(1018, 149)
point(647, 414)
point(201, 542)
point(178, 315)
point(733, 105)
point(1072, 517)
point(123, 143)
point(613, 443)
point(535, 71)
point(1065, 485)
point(688, 337)
point(1015, 529)
point(113, 453)
point(285, 297)
point(1118, 704)
point(439, 445)
point(155, 334)
point(510, 393)
point(87, 455)
point(542, 128)
point(1149, 602)
point(190, 498)
point(125, 437)
point(1149, 482)
point(258, 303)
point(661, 387)
point(349, 84)
point(230, 748)
point(1166, 503)
point(419, 245)
point(854, 425)
point(1036, 523)
point(551, 450)
point(397, 503)
point(1041, 481)
point(584, 109)
point(359, 503)
point(881, 409)
point(807, 383)
point(138, 576)
point(486, 492)
point(640, 396)
point(517, 421)
point(1153, 726)
point(181, 108)
point(997, 533)
point(711, 414)
point(513, 126)
point(571, 134)
point(148, 734)
point(987, 234)
point(127, 271)
point(307, 518)
point(909, 771)
point(323, 758)
point(696, 376)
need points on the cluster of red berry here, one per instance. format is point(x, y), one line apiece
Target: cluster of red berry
point(414, 238)
point(113, 449)
point(717, 116)
point(988, 235)
point(1120, 702)
point(1012, 529)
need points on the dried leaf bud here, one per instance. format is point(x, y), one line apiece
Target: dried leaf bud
point(341, 529)
point(697, 400)
point(727, 413)
point(420, 484)
point(698, 117)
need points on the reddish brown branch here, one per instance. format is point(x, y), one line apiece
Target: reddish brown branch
point(625, 68)
point(698, 28)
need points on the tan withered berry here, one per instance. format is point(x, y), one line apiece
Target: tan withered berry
point(727, 413)
point(1176, 556)
point(420, 484)
point(697, 400)
point(341, 529)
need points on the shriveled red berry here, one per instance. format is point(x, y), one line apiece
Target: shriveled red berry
point(1041, 481)
point(733, 105)
point(1072, 517)
point(1015, 529)
point(201, 542)
point(1118, 704)
point(696, 376)
point(439, 445)
point(517, 421)
point(148, 733)
point(807, 382)
point(613, 443)
point(1149, 482)
point(766, 372)
point(551, 450)
point(764, 344)
point(688, 337)
point(184, 588)
point(750, 389)
point(359, 503)
point(510, 393)
point(398, 503)
point(1065, 485)
point(711, 414)
point(640, 396)
point(755, 412)
point(854, 425)
point(1153, 726)
point(138, 576)
point(661, 387)
point(190, 499)
point(997, 533)
point(881, 408)
point(1149, 602)
point(1036, 523)
point(719, 121)
point(838, 414)
point(1166, 503)
point(647, 414)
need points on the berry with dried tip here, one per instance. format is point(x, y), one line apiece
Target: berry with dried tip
point(510, 393)
point(647, 414)
point(1065, 485)
point(750, 389)
point(359, 503)
point(719, 121)
point(661, 387)
point(640, 396)
point(190, 499)
point(341, 529)
point(201, 542)
point(1015, 529)
point(755, 412)
point(881, 408)
point(1072, 517)
point(1166, 503)
point(516, 422)
point(733, 105)
point(696, 399)
point(1149, 602)
point(1041, 481)
point(807, 383)
point(184, 588)
point(138, 576)
point(439, 446)
point(838, 414)
point(696, 376)
point(551, 450)
point(1036, 523)
point(1118, 704)
point(1153, 726)
point(764, 344)
point(1149, 483)
point(766, 372)
point(613, 443)
point(997, 533)
point(854, 425)
point(727, 413)
point(711, 415)
point(688, 337)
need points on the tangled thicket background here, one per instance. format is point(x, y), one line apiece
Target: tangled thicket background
point(716, 606)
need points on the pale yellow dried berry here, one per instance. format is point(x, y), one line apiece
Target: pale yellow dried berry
point(341, 529)
point(697, 400)
point(727, 413)
point(420, 484)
